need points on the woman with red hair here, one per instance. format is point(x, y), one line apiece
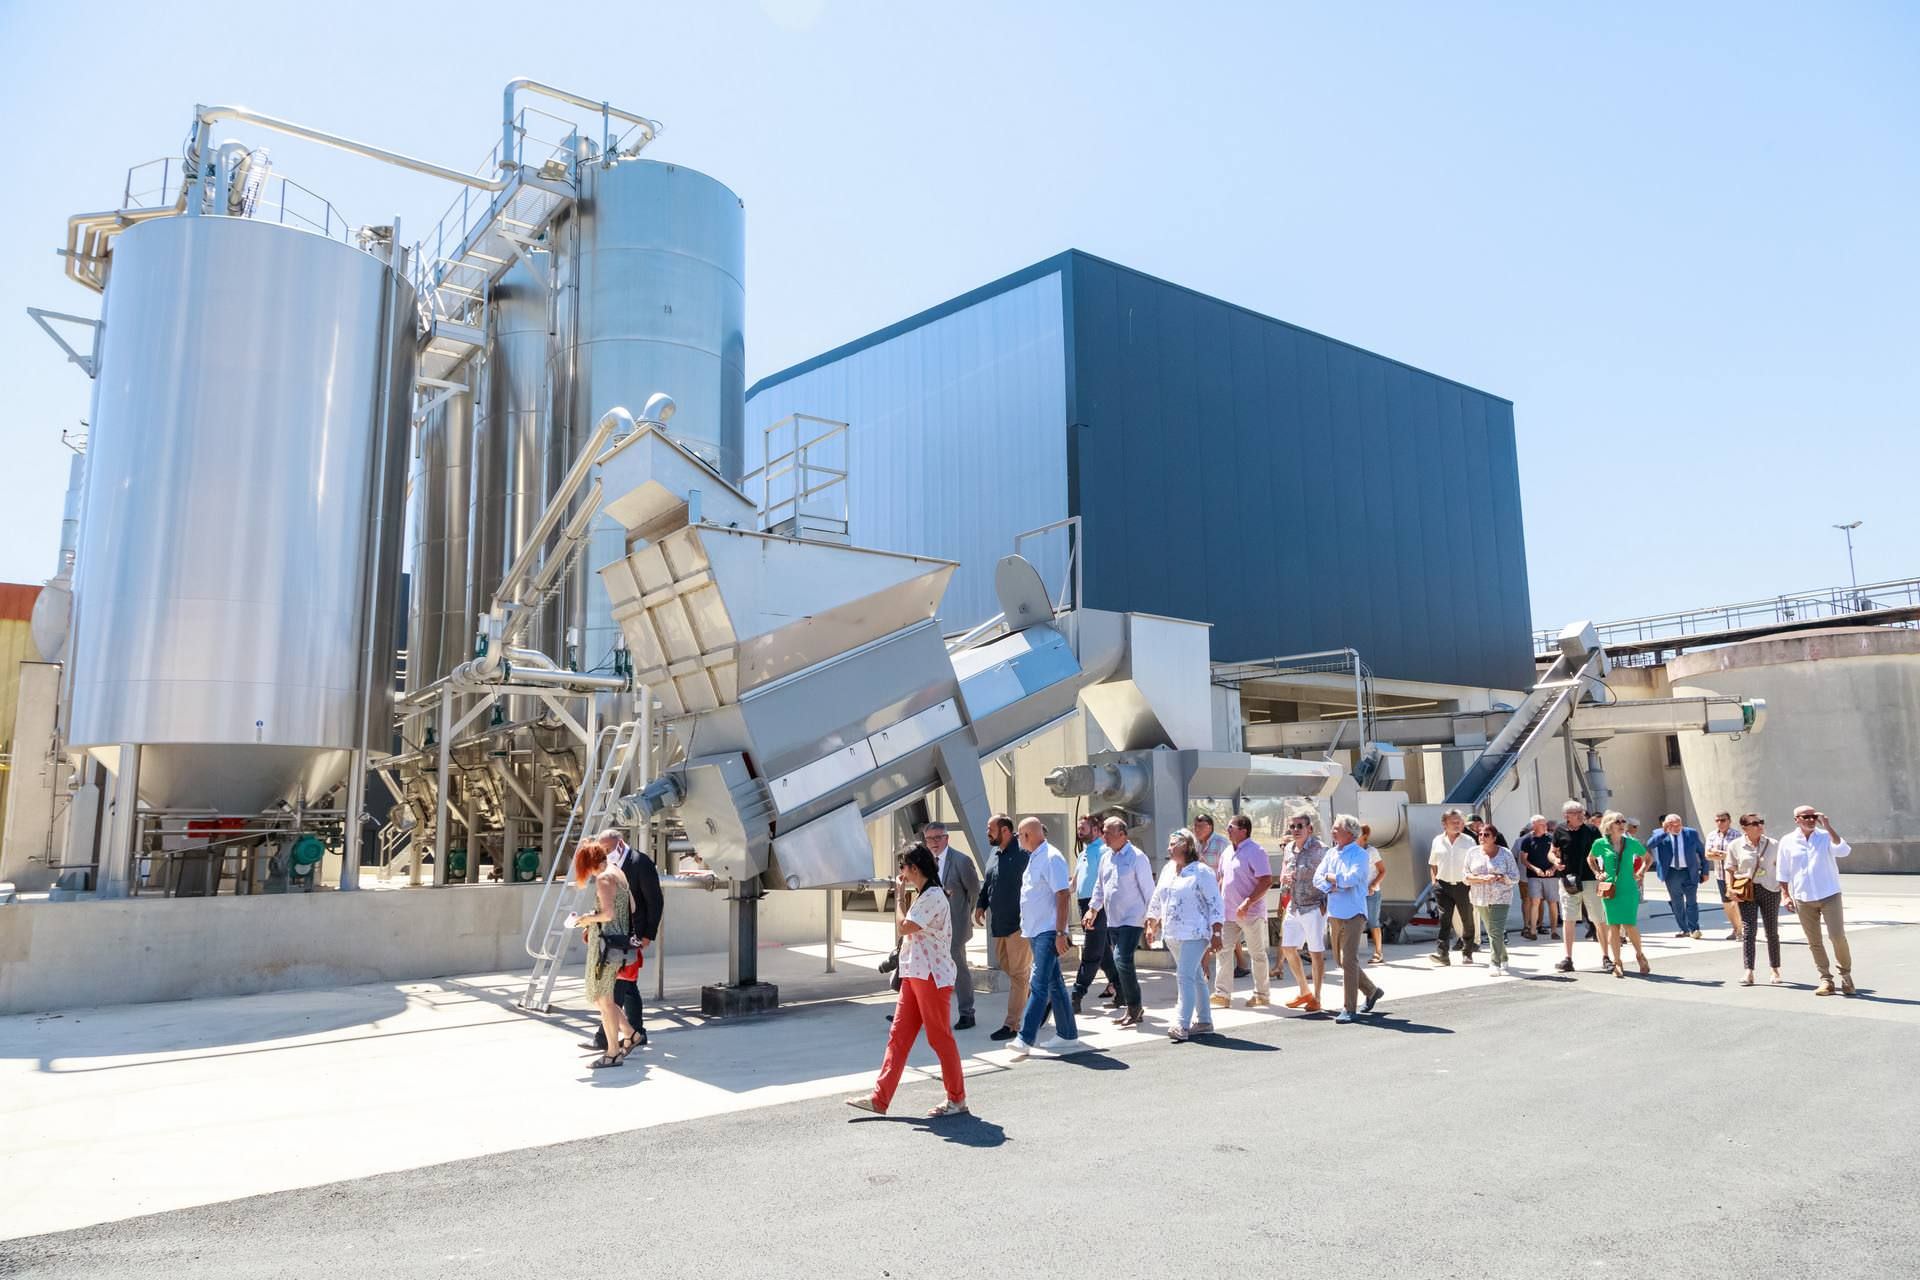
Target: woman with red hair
point(609, 938)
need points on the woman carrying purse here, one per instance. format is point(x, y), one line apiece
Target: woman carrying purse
point(1753, 885)
point(1620, 861)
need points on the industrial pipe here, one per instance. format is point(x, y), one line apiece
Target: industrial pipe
point(510, 152)
point(205, 116)
point(574, 480)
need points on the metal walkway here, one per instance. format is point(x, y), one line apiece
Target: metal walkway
point(1895, 602)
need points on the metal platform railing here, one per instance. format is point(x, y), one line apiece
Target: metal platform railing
point(1837, 603)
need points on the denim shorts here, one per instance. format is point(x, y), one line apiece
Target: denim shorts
point(1373, 908)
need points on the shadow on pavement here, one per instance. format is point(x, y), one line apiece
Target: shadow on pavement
point(1214, 1040)
point(1387, 1022)
point(962, 1131)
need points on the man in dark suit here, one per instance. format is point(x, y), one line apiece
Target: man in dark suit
point(960, 880)
point(643, 882)
point(1680, 856)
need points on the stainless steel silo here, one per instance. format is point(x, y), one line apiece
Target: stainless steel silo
point(512, 474)
point(653, 298)
point(238, 565)
point(440, 630)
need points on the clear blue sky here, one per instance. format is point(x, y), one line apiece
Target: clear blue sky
point(1681, 238)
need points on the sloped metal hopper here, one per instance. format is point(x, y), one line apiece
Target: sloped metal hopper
point(710, 613)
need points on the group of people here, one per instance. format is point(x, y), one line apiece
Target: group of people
point(1599, 869)
point(1210, 898)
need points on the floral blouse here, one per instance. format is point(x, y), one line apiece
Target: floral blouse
point(1187, 902)
point(1496, 893)
point(929, 953)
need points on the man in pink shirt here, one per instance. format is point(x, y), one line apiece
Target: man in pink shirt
point(1245, 877)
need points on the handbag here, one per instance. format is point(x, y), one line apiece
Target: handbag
point(1607, 888)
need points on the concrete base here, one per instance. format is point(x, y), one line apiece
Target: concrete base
point(722, 1001)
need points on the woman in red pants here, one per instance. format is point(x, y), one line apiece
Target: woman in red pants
point(926, 988)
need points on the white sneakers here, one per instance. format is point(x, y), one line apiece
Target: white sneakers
point(1058, 1045)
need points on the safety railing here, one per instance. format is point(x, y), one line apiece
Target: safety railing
point(798, 489)
point(1837, 603)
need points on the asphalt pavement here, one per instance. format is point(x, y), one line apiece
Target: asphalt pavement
point(1671, 1126)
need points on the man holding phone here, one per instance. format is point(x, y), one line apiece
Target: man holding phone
point(1810, 888)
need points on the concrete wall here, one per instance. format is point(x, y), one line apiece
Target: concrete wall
point(58, 955)
point(1644, 786)
point(1842, 732)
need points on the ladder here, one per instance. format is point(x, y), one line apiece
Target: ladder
point(618, 752)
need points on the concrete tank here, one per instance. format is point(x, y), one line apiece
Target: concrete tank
point(245, 479)
point(1843, 733)
point(653, 298)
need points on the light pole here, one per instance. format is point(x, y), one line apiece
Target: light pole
point(1852, 577)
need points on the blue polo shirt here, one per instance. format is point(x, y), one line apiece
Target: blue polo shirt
point(1089, 874)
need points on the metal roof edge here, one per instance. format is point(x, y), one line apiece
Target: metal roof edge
point(1026, 275)
point(1288, 324)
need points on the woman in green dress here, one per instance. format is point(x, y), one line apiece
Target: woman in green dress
point(612, 914)
point(1620, 862)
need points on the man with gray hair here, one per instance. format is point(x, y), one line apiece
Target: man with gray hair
point(960, 881)
point(1680, 857)
point(1447, 863)
point(1573, 842)
point(1342, 876)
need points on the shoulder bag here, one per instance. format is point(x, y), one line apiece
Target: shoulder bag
point(1740, 888)
point(1607, 888)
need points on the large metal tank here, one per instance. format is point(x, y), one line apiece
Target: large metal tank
point(512, 472)
point(239, 559)
point(653, 298)
point(440, 633)
point(1843, 732)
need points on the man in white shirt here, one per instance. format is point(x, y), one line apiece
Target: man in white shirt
point(1046, 895)
point(1810, 886)
point(1447, 862)
point(1121, 893)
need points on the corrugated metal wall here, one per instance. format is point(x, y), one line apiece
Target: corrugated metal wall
point(1209, 450)
point(955, 442)
point(1215, 451)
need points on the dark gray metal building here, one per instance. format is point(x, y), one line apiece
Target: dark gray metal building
point(1293, 490)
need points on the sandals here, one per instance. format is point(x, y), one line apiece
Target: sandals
point(1644, 966)
point(1618, 970)
point(865, 1103)
point(602, 1062)
point(1747, 980)
point(1377, 959)
point(948, 1108)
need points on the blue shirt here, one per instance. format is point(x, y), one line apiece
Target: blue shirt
point(1343, 877)
point(1089, 869)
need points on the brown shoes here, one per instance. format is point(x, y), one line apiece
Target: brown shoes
point(1846, 985)
point(1825, 988)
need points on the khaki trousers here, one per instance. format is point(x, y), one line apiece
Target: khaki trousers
point(1255, 934)
point(1825, 912)
point(1015, 955)
point(1344, 937)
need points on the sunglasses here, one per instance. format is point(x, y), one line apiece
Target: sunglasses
point(1300, 826)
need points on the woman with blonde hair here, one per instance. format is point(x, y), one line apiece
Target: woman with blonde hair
point(1620, 862)
point(1187, 912)
point(609, 938)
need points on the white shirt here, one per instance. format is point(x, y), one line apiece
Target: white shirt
point(929, 953)
point(1744, 858)
point(1124, 887)
point(1373, 868)
point(1450, 856)
point(1186, 902)
point(1806, 864)
point(1045, 877)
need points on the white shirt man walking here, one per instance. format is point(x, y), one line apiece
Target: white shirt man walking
point(1046, 897)
point(1810, 884)
point(1447, 863)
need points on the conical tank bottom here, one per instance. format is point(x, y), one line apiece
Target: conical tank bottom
point(236, 778)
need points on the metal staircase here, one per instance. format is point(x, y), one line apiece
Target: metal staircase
point(618, 754)
point(1532, 726)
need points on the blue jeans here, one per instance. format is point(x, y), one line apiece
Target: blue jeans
point(1682, 890)
point(1125, 940)
point(1187, 956)
point(1047, 987)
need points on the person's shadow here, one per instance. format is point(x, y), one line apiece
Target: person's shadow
point(963, 1131)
